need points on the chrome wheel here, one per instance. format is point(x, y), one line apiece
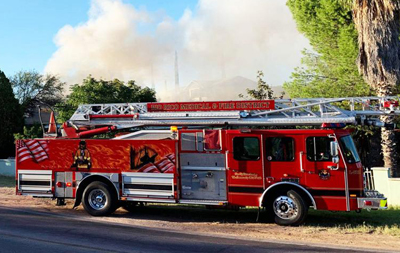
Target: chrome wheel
point(97, 199)
point(285, 208)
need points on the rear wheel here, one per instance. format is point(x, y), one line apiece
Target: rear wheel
point(289, 209)
point(98, 199)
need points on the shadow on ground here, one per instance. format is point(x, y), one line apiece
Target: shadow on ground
point(315, 218)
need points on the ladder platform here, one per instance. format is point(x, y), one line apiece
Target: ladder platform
point(279, 112)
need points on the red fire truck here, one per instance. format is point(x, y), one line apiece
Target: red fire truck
point(207, 153)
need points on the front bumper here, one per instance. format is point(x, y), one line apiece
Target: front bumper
point(372, 203)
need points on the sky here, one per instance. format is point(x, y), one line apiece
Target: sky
point(137, 39)
point(28, 27)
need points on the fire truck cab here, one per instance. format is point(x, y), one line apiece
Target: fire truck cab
point(284, 171)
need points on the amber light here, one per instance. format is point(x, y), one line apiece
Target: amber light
point(69, 184)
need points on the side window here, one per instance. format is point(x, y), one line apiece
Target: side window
point(246, 148)
point(318, 149)
point(188, 141)
point(280, 149)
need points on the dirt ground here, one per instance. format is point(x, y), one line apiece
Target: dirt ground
point(375, 230)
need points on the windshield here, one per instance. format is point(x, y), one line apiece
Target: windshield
point(349, 149)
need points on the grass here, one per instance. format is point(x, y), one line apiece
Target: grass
point(7, 181)
point(374, 222)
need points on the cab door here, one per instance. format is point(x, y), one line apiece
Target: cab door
point(324, 178)
point(245, 168)
point(282, 159)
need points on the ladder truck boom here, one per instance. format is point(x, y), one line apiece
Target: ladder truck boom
point(279, 112)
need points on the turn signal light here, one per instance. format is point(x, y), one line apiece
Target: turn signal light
point(69, 184)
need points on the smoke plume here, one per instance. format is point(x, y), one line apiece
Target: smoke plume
point(216, 40)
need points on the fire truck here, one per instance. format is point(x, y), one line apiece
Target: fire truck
point(225, 154)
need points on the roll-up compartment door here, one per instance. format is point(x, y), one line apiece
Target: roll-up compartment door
point(35, 182)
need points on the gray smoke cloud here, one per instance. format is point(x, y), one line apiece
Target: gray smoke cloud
point(216, 40)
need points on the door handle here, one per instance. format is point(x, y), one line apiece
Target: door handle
point(301, 161)
point(226, 159)
point(333, 167)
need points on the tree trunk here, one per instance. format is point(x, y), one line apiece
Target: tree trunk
point(389, 143)
point(378, 26)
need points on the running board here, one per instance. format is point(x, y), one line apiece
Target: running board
point(203, 202)
point(149, 200)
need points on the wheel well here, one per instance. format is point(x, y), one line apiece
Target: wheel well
point(285, 187)
point(90, 179)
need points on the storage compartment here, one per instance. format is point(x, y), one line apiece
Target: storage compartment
point(204, 184)
point(35, 182)
point(148, 185)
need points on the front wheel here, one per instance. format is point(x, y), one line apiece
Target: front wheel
point(98, 199)
point(289, 209)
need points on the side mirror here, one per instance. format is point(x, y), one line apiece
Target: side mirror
point(334, 149)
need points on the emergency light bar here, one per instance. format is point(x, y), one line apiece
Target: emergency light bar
point(333, 125)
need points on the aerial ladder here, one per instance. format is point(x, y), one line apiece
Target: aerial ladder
point(92, 119)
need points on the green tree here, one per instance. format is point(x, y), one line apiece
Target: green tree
point(32, 88)
point(10, 117)
point(263, 90)
point(329, 70)
point(94, 91)
point(30, 132)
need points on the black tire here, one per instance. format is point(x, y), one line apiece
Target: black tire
point(288, 208)
point(98, 199)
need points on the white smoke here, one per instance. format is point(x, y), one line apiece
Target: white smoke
point(217, 39)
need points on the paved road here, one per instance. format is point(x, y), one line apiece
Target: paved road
point(26, 231)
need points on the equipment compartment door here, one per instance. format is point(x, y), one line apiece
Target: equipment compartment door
point(245, 168)
point(203, 176)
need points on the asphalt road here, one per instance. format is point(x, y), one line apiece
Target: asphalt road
point(28, 231)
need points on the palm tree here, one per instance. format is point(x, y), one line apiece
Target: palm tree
point(378, 26)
